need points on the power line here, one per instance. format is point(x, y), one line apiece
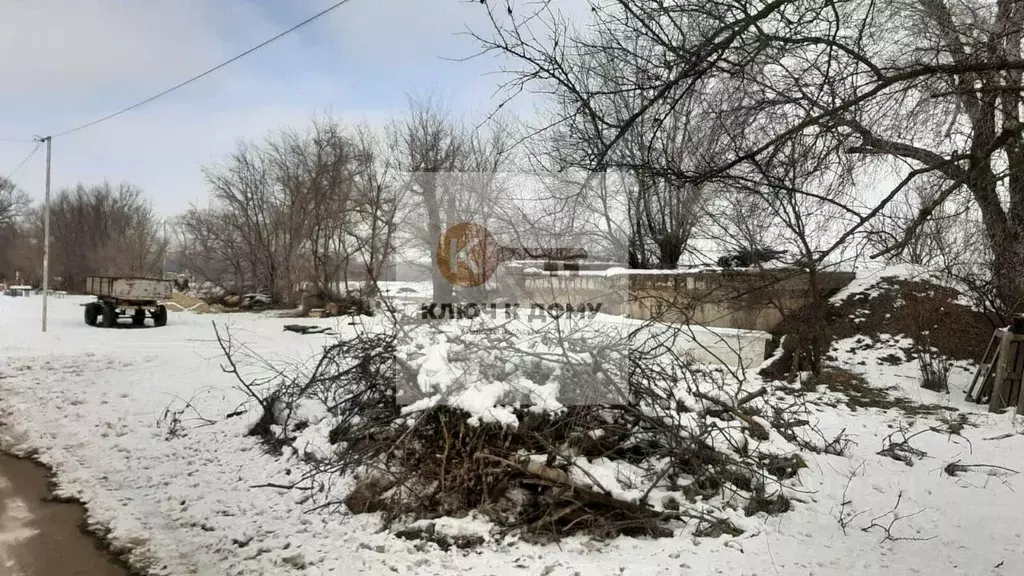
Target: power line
point(10, 177)
point(206, 73)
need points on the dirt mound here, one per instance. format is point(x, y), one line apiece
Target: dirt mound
point(181, 301)
point(193, 302)
point(921, 310)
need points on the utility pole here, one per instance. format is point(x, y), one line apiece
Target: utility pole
point(46, 231)
point(163, 275)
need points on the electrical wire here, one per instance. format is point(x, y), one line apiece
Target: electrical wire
point(10, 177)
point(204, 74)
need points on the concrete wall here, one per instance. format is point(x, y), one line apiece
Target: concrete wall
point(737, 299)
point(707, 345)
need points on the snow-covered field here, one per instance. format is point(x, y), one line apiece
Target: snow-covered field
point(90, 403)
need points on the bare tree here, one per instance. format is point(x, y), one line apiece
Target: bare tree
point(321, 168)
point(307, 207)
point(14, 244)
point(931, 84)
point(451, 172)
point(377, 212)
point(211, 248)
point(738, 222)
point(659, 210)
point(243, 189)
point(944, 239)
point(803, 183)
point(100, 230)
point(428, 144)
point(13, 203)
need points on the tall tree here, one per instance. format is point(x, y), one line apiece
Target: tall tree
point(15, 244)
point(429, 145)
point(932, 86)
point(101, 230)
point(451, 174)
point(310, 205)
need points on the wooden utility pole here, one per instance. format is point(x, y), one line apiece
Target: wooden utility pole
point(46, 231)
point(163, 273)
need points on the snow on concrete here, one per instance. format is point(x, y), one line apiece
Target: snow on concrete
point(703, 344)
point(89, 403)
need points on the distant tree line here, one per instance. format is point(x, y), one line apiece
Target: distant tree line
point(300, 206)
point(317, 209)
point(94, 230)
point(331, 205)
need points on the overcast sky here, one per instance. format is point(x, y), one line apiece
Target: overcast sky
point(66, 62)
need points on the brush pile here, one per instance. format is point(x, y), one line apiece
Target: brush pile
point(544, 429)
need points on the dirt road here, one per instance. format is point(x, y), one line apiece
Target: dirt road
point(40, 538)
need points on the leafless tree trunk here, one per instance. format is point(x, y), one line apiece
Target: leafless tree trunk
point(783, 182)
point(378, 209)
point(451, 172)
point(428, 144)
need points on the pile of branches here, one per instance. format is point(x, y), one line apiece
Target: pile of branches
point(684, 447)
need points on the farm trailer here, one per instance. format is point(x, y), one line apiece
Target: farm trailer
point(119, 296)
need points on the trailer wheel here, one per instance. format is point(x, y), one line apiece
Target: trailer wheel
point(160, 316)
point(109, 318)
point(92, 312)
point(139, 317)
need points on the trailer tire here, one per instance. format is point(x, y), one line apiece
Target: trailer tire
point(109, 316)
point(160, 316)
point(92, 313)
point(139, 317)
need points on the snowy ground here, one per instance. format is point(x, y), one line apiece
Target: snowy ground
point(89, 403)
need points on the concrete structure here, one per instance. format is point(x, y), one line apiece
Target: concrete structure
point(746, 299)
point(727, 346)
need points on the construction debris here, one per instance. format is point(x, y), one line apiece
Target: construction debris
point(998, 378)
point(305, 329)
